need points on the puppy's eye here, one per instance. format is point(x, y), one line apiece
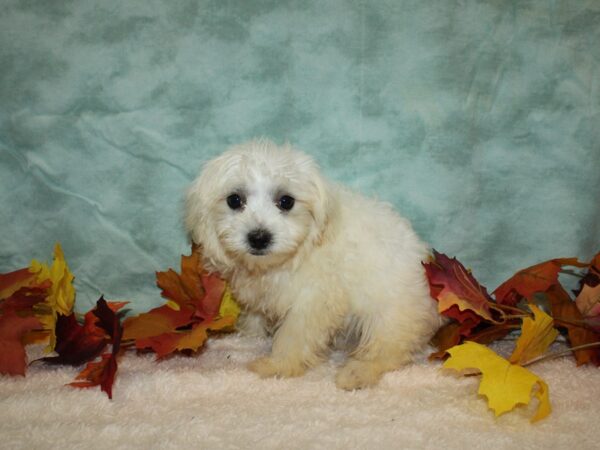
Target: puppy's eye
point(235, 201)
point(286, 202)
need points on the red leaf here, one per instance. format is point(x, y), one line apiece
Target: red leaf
point(103, 372)
point(535, 279)
point(98, 373)
point(214, 287)
point(24, 300)
point(472, 329)
point(16, 321)
point(13, 281)
point(77, 344)
point(467, 319)
point(13, 359)
point(109, 321)
point(452, 285)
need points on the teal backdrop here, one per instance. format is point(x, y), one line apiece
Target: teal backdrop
point(478, 120)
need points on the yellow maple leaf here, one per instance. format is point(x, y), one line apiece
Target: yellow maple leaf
point(229, 306)
point(505, 385)
point(61, 295)
point(536, 336)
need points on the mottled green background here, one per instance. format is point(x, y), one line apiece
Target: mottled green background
point(479, 120)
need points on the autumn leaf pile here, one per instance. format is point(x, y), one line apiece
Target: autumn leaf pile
point(533, 302)
point(36, 306)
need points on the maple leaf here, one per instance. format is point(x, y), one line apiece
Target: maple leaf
point(13, 359)
point(229, 307)
point(536, 336)
point(505, 385)
point(194, 289)
point(192, 339)
point(467, 319)
point(155, 322)
point(17, 320)
point(446, 337)
point(13, 281)
point(462, 298)
point(568, 317)
point(535, 279)
point(454, 333)
point(588, 298)
point(100, 373)
point(197, 302)
point(103, 372)
point(76, 343)
point(61, 295)
point(453, 286)
point(79, 343)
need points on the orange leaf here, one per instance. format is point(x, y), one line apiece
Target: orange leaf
point(527, 282)
point(194, 302)
point(155, 322)
point(567, 316)
point(588, 299)
point(167, 343)
point(446, 337)
point(193, 288)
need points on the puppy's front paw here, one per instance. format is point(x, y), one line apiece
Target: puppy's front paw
point(358, 375)
point(270, 367)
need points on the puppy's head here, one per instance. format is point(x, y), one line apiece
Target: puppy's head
point(257, 205)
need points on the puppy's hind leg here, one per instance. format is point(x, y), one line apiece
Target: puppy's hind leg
point(383, 347)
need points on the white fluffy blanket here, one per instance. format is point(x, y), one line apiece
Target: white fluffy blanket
point(212, 401)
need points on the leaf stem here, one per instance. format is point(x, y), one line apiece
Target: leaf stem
point(576, 323)
point(517, 316)
point(561, 353)
point(511, 308)
point(573, 273)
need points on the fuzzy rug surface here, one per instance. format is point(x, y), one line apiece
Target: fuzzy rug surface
point(213, 401)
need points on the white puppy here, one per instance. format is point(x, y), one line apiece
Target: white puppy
point(312, 261)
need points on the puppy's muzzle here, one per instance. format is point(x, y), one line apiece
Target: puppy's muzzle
point(259, 240)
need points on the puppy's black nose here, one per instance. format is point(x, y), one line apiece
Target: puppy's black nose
point(259, 239)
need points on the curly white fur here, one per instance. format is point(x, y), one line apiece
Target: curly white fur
point(338, 264)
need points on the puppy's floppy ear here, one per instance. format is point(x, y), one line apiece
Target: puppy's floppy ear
point(194, 212)
point(322, 203)
point(199, 218)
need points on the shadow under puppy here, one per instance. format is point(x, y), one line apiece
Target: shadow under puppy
point(311, 261)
